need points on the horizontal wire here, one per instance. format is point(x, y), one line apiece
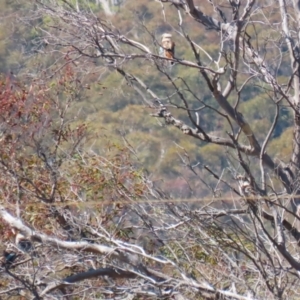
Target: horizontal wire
point(205, 200)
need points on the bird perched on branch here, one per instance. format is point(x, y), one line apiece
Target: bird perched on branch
point(168, 47)
point(247, 189)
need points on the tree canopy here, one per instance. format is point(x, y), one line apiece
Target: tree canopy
point(128, 174)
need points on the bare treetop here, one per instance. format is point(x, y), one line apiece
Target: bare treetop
point(94, 224)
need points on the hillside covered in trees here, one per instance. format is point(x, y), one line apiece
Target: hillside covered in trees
point(130, 174)
point(110, 107)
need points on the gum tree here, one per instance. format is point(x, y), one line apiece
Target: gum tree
point(138, 242)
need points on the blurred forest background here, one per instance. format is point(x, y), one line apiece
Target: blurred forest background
point(111, 109)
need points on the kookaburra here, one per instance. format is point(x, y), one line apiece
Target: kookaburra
point(168, 46)
point(246, 189)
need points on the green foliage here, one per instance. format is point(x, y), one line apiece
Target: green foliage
point(75, 139)
point(210, 155)
point(281, 146)
point(109, 107)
